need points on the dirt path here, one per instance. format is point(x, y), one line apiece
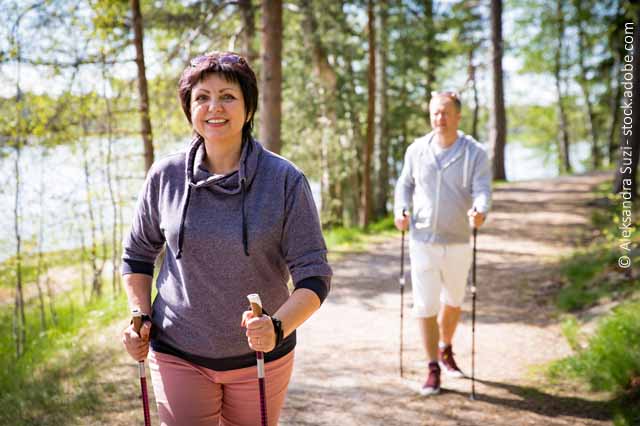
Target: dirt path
point(346, 370)
point(347, 359)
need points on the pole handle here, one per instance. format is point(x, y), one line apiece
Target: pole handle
point(136, 320)
point(256, 304)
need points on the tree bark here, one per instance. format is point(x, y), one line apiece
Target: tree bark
point(382, 131)
point(615, 111)
point(96, 268)
point(563, 131)
point(248, 30)
point(112, 198)
point(365, 201)
point(498, 128)
point(474, 88)
point(430, 69)
point(271, 107)
point(41, 263)
point(584, 85)
point(145, 121)
point(355, 172)
point(330, 188)
point(19, 320)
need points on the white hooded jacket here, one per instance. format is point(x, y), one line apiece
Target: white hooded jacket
point(438, 196)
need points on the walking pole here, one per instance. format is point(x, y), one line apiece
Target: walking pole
point(137, 324)
point(401, 281)
point(256, 308)
point(473, 317)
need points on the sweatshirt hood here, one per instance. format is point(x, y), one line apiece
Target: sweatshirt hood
point(237, 182)
point(198, 176)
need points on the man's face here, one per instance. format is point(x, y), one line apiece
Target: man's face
point(444, 115)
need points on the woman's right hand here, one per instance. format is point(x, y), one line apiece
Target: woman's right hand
point(137, 345)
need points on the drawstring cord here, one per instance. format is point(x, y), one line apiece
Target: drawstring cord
point(245, 241)
point(182, 220)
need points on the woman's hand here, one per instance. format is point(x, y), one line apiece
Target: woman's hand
point(137, 344)
point(260, 333)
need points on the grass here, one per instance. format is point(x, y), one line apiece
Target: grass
point(610, 362)
point(592, 274)
point(348, 240)
point(54, 381)
point(609, 359)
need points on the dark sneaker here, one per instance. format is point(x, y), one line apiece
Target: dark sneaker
point(432, 385)
point(448, 363)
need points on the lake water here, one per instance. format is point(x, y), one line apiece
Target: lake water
point(60, 171)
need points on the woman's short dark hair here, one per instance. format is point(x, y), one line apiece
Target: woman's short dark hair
point(230, 66)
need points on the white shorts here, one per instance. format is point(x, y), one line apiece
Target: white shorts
point(438, 274)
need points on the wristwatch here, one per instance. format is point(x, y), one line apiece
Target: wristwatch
point(277, 328)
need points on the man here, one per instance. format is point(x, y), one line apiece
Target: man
point(445, 188)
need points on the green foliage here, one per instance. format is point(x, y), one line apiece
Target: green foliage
point(571, 331)
point(354, 238)
point(593, 273)
point(59, 258)
point(611, 361)
point(55, 380)
point(586, 282)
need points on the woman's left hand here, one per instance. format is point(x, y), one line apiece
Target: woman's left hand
point(260, 333)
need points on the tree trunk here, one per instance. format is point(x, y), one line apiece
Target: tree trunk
point(96, 281)
point(112, 198)
point(563, 131)
point(271, 108)
point(429, 43)
point(355, 172)
point(382, 131)
point(332, 206)
point(83, 261)
point(145, 121)
point(584, 85)
point(474, 88)
point(498, 128)
point(615, 110)
point(19, 320)
point(626, 173)
point(248, 30)
point(41, 266)
point(365, 201)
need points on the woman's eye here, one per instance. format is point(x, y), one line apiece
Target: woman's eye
point(201, 98)
point(227, 97)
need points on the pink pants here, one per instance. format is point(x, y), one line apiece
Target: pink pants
point(190, 395)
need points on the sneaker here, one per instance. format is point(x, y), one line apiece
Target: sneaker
point(448, 363)
point(432, 385)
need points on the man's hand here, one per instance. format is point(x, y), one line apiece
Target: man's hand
point(476, 219)
point(402, 223)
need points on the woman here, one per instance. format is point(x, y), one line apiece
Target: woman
point(234, 219)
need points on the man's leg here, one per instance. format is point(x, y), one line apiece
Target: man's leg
point(448, 321)
point(426, 285)
point(455, 271)
point(430, 336)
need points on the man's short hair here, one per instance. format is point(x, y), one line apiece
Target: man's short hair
point(449, 94)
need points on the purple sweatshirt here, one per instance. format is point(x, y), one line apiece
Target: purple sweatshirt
point(225, 237)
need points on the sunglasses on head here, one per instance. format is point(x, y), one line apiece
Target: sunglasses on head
point(227, 58)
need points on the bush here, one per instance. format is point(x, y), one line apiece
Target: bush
point(611, 361)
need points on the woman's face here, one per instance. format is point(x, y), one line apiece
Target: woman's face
point(217, 110)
